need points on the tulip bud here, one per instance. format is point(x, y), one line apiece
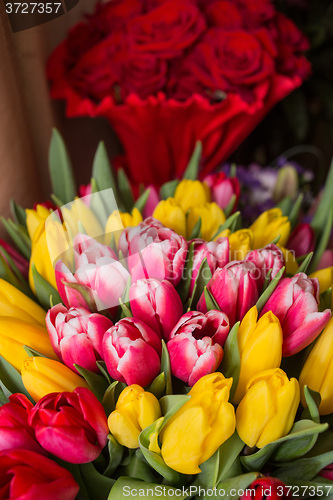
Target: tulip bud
point(268, 488)
point(70, 425)
point(268, 227)
point(302, 240)
point(76, 336)
point(42, 376)
point(157, 304)
point(260, 347)
point(126, 348)
point(131, 236)
point(216, 252)
point(170, 213)
point(20, 262)
point(295, 303)
point(190, 194)
point(135, 410)
point(267, 411)
point(223, 188)
point(213, 324)
point(29, 475)
point(16, 304)
point(286, 183)
point(234, 288)
point(152, 202)
point(241, 243)
point(211, 216)
point(15, 334)
point(15, 431)
point(266, 259)
point(317, 372)
point(200, 426)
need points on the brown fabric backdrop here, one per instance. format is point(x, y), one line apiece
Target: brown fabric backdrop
point(27, 114)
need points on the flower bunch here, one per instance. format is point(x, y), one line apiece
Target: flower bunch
point(206, 71)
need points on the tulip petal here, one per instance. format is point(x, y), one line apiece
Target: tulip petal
point(306, 333)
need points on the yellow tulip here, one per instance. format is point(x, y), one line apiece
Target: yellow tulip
point(15, 304)
point(290, 261)
point(135, 410)
point(268, 409)
point(15, 334)
point(212, 217)
point(35, 218)
point(77, 214)
point(190, 194)
point(317, 372)
point(240, 244)
point(223, 234)
point(40, 257)
point(171, 215)
point(41, 376)
point(260, 347)
point(118, 221)
point(325, 278)
point(199, 427)
point(268, 226)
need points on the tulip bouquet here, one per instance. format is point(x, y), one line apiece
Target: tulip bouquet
point(165, 354)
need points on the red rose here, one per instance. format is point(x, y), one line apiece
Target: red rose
point(256, 13)
point(224, 15)
point(26, 474)
point(227, 61)
point(167, 30)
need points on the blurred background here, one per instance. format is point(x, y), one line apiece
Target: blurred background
point(301, 126)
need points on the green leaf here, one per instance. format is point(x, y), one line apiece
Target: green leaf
point(313, 400)
point(233, 171)
point(196, 230)
point(11, 378)
point(137, 467)
point(229, 208)
point(210, 300)
point(166, 368)
point(7, 274)
point(269, 290)
point(19, 236)
point(168, 189)
point(98, 486)
point(157, 387)
point(102, 368)
point(304, 468)
point(305, 264)
point(228, 487)
point(192, 168)
point(97, 383)
point(301, 429)
point(44, 290)
point(230, 366)
point(32, 353)
point(124, 486)
point(228, 224)
point(203, 277)
point(296, 208)
point(18, 213)
point(116, 452)
point(285, 205)
point(97, 205)
point(325, 206)
point(323, 241)
point(142, 200)
point(171, 404)
point(102, 170)
point(108, 400)
point(61, 173)
point(18, 278)
point(126, 312)
point(183, 288)
point(3, 398)
point(325, 300)
point(125, 190)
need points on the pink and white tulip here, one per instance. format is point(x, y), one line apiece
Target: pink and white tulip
point(223, 188)
point(131, 233)
point(191, 359)
point(302, 240)
point(153, 200)
point(96, 267)
point(295, 303)
point(265, 259)
point(234, 288)
point(213, 324)
point(216, 253)
point(126, 348)
point(157, 304)
point(76, 336)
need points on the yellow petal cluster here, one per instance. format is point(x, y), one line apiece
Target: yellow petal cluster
point(268, 226)
point(16, 304)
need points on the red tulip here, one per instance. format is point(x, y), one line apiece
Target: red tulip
point(266, 488)
point(223, 188)
point(327, 473)
point(76, 335)
point(157, 304)
point(295, 303)
point(71, 425)
point(302, 240)
point(15, 431)
point(326, 260)
point(234, 288)
point(216, 253)
point(30, 476)
point(21, 263)
point(126, 348)
point(214, 324)
point(266, 259)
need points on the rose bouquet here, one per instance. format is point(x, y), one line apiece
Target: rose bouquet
point(167, 73)
point(180, 355)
